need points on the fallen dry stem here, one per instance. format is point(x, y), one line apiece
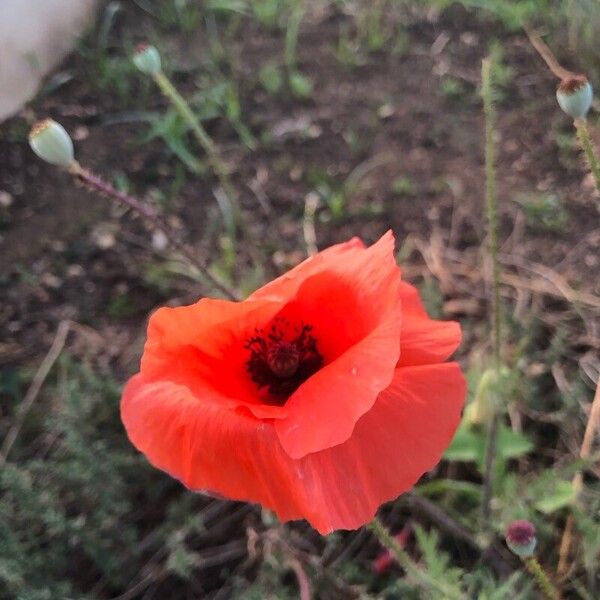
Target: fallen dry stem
point(549, 282)
point(593, 426)
point(303, 582)
point(34, 389)
point(547, 55)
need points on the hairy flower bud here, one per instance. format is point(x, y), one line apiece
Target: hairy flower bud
point(494, 383)
point(520, 538)
point(575, 96)
point(50, 141)
point(147, 59)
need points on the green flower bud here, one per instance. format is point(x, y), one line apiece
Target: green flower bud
point(492, 385)
point(147, 59)
point(50, 141)
point(575, 96)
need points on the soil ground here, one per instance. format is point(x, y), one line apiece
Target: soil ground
point(400, 137)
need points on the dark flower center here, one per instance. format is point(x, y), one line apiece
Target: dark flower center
point(282, 358)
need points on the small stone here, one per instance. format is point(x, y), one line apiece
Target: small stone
point(51, 281)
point(103, 236)
point(75, 271)
point(81, 133)
point(159, 240)
point(385, 111)
point(6, 199)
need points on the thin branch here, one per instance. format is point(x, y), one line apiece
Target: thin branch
point(593, 426)
point(548, 57)
point(303, 581)
point(491, 202)
point(104, 188)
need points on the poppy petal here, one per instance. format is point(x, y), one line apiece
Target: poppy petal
point(201, 346)
point(210, 448)
point(323, 411)
point(424, 340)
point(287, 284)
point(381, 461)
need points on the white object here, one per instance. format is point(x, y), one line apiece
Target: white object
point(34, 36)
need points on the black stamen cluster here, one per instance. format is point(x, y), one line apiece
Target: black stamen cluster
point(283, 358)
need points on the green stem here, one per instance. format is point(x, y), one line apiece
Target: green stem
point(542, 579)
point(491, 204)
point(585, 141)
point(183, 108)
point(418, 577)
point(291, 37)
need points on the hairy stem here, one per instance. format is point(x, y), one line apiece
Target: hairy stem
point(491, 204)
point(104, 188)
point(585, 141)
point(183, 108)
point(542, 579)
point(418, 576)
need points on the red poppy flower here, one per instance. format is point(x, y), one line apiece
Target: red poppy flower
point(321, 396)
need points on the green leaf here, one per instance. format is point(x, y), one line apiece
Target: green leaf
point(562, 496)
point(438, 487)
point(237, 6)
point(300, 85)
point(512, 444)
point(468, 445)
point(271, 78)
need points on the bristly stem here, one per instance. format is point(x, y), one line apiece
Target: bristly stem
point(585, 141)
point(491, 204)
point(183, 108)
point(542, 579)
point(491, 201)
point(104, 188)
point(417, 575)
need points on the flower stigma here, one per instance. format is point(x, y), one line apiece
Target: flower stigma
point(282, 358)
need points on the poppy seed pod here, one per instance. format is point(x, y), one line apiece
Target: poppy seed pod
point(575, 96)
point(520, 538)
point(50, 141)
point(147, 59)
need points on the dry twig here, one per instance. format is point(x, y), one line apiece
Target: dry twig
point(34, 389)
point(593, 426)
point(547, 55)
